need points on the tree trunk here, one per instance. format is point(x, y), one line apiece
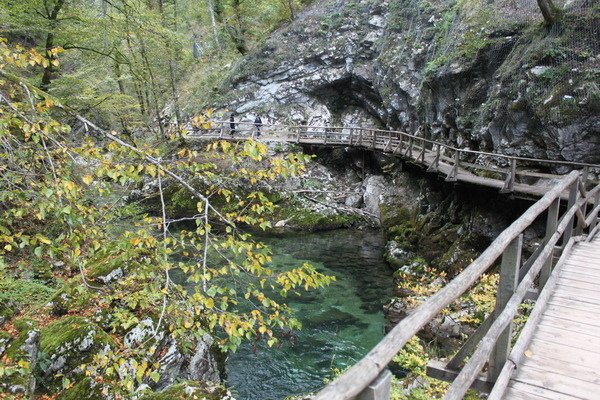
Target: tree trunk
point(290, 4)
point(211, 11)
point(552, 14)
point(52, 17)
point(118, 77)
point(238, 32)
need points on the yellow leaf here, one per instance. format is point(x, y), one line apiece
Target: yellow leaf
point(88, 179)
point(528, 354)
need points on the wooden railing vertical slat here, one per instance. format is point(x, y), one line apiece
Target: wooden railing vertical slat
point(573, 190)
point(509, 280)
point(551, 223)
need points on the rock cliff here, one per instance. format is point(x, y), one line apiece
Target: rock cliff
point(477, 74)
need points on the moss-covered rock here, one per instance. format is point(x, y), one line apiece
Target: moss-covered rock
point(393, 215)
point(190, 390)
point(5, 338)
point(23, 326)
point(71, 297)
point(68, 343)
point(84, 389)
point(16, 293)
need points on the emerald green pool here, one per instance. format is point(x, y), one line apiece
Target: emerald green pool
point(341, 323)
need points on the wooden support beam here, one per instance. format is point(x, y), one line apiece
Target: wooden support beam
point(435, 164)
point(509, 183)
point(379, 389)
point(421, 156)
point(374, 134)
point(453, 174)
point(351, 135)
point(437, 370)
point(509, 280)
point(471, 343)
point(551, 224)
point(594, 213)
point(572, 200)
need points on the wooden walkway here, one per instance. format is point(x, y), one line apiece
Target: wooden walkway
point(513, 175)
point(562, 358)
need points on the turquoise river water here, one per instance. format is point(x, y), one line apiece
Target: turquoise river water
point(341, 323)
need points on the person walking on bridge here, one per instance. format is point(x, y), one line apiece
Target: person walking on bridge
point(258, 125)
point(231, 125)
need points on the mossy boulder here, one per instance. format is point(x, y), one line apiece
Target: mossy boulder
point(190, 390)
point(72, 296)
point(84, 389)
point(23, 326)
point(68, 343)
point(16, 293)
point(5, 339)
point(391, 215)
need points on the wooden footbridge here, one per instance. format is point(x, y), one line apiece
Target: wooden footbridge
point(509, 174)
point(557, 353)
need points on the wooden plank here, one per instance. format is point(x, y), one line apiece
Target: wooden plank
point(580, 341)
point(558, 383)
point(590, 308)
point(571, 325)
point(574, 297)
point(524, 388)
point(578, 284)
point(564, 368)
point(572, 315)
point(577, 292)
point(574, 270)
point(515, 394)
point(562, 352)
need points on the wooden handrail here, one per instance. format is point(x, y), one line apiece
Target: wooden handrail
point(359, 376)
point(469, 373)
point(408, 135)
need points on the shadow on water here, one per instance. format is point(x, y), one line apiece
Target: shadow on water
point(341, 323)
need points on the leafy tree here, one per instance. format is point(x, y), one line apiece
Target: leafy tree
point(64, 217)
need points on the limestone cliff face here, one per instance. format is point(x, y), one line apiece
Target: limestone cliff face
point(475, 74)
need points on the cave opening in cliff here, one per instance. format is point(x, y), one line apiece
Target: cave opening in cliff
point(351, 92)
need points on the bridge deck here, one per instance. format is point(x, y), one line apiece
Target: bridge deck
point(426, 159)
point(562, 360)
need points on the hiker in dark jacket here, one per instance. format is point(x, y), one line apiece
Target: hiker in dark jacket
point(231, 125)
point(258, 125)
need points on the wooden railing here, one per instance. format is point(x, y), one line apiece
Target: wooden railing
point(435, 156)
point(368, 378)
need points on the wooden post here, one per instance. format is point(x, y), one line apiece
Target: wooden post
point(360, 137)
point(374, 138)
point(436, 161)
point(421, 156)
point(410, 147)
point(572, 200)
point(551, 224)
point(595, 220)
point(379, 389)
point(351, 135)
point(298, 134)
point(584, 175)
point(509, 183)
point(509, 277)
point(222, 129)
point(453, 174)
